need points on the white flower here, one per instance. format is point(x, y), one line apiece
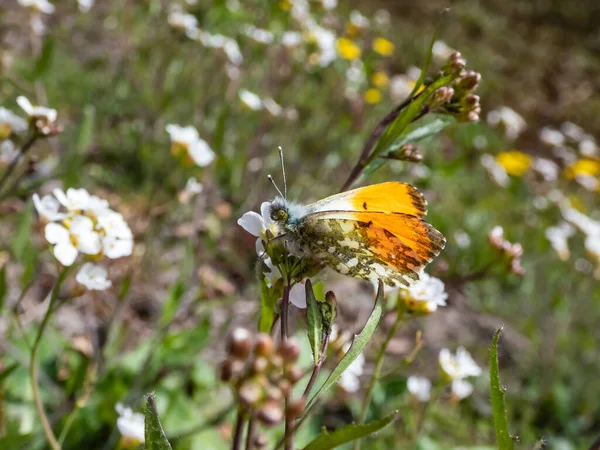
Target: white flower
point(587, 225)
point(349, 380)
point(441, 51)
point(588, 181)
point(551, 137)
point(48, 207)
point(79, 237)
point(250, 99)
point(497, 172)
point(118, 238)
point(257, 224)
point(358, 19)
point(547, 168)
point(400, 87)
point(592, 245)
point(130, 424)
point(258, 34)
point(462, 239)
point(291, 38)
point(329, 4)
point(558, 237)
point(274, 273)
point(458, 366)
point(188, 138)
point(420, 387)
point(461, 389)
point(73, 200)
point(588, 147)
point(10, 123)
point(181, 20)
point(93, 277)
point(572, 131)
point(193, 186)
point(429, 291)
point(507, 118)
point(326, 42)
point(298, 295)
point(272, 106)
point(85, 5)
point(43, 6)
point(37, 112)
point(8, 153)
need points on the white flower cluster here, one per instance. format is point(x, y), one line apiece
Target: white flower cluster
point(130, 424)
point(419, 387)
point(426, 294)
point(509, 120)
point(590, 228)
point(255, 103)
point(82, 223)
point(41, 117)
point(457, 368)
point(188, 139)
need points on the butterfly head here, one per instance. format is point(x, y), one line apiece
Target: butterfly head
point(286, 214)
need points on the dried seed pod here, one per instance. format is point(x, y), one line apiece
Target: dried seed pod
point(293, 374)
point(290, 350)
point(259, 365)
point(250, 393)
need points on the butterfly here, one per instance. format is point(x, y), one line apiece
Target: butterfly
point(373, 232)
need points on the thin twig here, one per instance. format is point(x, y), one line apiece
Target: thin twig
point(11, 167)
point(239, 431)
point(285, 306)
point(251, 432)
point(33, 370)
point(317, 368)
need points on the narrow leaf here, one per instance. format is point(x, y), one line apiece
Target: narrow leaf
point(358, 344)
point(349, 433)
point(267, 308)
point(428, 57)
point(505, 441)
point(314, 322)
point(44, 61)
point(172, 303)
point(154, 434)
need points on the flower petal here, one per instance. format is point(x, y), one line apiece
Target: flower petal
point(56, 234)
point(66, 253)
point(252, 223)
point(298, 295)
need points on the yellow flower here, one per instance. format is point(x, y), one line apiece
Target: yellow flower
point(383, 46)
point(373, 96)
point(515, 163)
point(583, 168)
point(380, 79)
point(347, 49)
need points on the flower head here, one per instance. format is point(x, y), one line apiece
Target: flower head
point(458, 366)
point(185, 140)
point(558, 237)
point(425, 295)
point(8, 153)
point(250, 99)
point(515, 163)
point(373, 96)
point(383, 46)
point(348, 49)
point(42, 118)
point(419, 387)
point(461, 389)
point(130, 424)
point(10, 123)
point(43, 6)
point(48, 208)
point(93, 277)
point(80, 236)
point(508, 119)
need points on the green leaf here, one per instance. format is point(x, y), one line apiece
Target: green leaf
point(427, 62)
point(349, 433)
point(3, 287)
point(505, 441)
point(7, 371)
point(314, 322)
point(172, 303)
point(154, 434)
point(267, 308)
point(43, 63)
point(358, 344)
point(417, 134)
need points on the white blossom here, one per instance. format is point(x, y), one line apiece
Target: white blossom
point(572, 131)
point(462, 239)
point(42, 117)
point(291, 38)
point(182, 20)
point(68, 242)
point(400, 87)
point(193, 186)
point(43, 6)
point(497, 172)
point(588, 147)
point(48, 207)
point(350, 378)
point(257, 224)
point(298, 295)
point(85, 5)
point(458, 366)
point(551, 137)
point(188, 138)
point(93, 277)
point(461, 389)
point(250, 99)
point(272, 106)
point(428, 291)
point(11, 122)
point(547, 168)
point(441, 51)
point(8, 152)
point(358, 19)
point(325, 40)
point(507, 118)
point(419, 387)
point(258, 34)
point(130, 424)
point(558, 237)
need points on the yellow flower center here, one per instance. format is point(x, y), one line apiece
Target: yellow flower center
point(348, 49)
point(380, 79)
point(583, 167)
point(373, 96)
point(383, 46)
point(515, 163)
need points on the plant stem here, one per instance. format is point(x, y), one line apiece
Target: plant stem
point(285, 306)
point(251, 432)
point(33, 370)
point(28, 144)
point(317, 368)
point(375, 377)
point(239, 431)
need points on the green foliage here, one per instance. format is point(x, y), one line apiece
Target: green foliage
point(154, 435)
point(314, 321)
point(267, 308)
point(349, 433)
point(505, 441)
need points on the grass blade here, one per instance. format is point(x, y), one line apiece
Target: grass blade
point(505, 441)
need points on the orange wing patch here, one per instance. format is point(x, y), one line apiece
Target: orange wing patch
point(391, 197)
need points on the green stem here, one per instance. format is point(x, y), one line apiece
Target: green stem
point(11, 167)
point(375, 377)
point(33, 370)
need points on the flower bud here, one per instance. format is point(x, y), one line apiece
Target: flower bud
point(471, 100)
point(250, 393)
point(289, 350)
point(270, 413)
point(468, 81)
point(240, 343)
point(454, 56)
point(274, 394)
point(293, 374)
point(259, 365)
point(260, 442)
point(285, 386)
point(264, 345)
point(441, 96)
point(231, 368)
point(295, 408)
point(473, 116)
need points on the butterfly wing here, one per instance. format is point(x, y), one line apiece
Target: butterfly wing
point(387, 197)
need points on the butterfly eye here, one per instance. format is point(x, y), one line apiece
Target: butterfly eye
point(279, 215)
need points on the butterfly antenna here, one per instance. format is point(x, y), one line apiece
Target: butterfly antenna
point(275, 185)
point(283, 172)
